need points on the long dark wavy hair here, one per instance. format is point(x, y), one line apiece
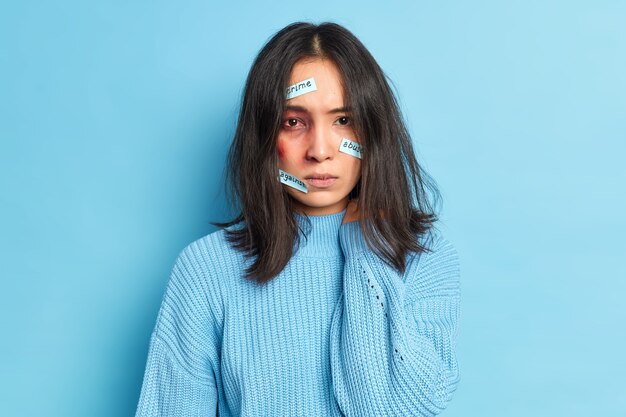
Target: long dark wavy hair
point(396, 197)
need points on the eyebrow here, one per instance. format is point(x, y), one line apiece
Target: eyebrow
point(302, 109)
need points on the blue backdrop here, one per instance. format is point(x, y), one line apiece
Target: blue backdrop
point(115, 122)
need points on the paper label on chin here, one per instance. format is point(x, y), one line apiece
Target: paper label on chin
point(351, 148)
point(292, 181)
point(300, 88)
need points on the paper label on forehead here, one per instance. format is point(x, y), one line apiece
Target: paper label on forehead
point(351, 148)
point(292, 181)
point(300, 88)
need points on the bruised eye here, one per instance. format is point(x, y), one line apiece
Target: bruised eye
point(344, 120)
point(291, 123)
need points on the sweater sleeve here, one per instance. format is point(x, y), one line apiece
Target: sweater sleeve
point(179, 378)
point(393, 336)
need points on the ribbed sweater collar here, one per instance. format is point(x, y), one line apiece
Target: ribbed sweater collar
point(320, 238)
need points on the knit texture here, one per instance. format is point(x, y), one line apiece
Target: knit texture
point(338, 332)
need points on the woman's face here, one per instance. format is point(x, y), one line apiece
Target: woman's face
point(312, 128)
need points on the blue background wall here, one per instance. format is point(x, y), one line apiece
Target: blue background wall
point(115, 122)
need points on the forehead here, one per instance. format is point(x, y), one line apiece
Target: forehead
point(328, 80)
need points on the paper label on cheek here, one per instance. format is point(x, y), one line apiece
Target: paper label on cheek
point(292, 181)
point(300, 88)
point(351, 148)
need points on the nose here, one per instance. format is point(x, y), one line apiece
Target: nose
point(320, 146)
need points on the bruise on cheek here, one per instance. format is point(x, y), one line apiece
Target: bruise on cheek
point(280, 148)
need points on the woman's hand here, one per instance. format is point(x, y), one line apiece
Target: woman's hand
point(352, 212)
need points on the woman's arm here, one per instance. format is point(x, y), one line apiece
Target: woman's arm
point(393, 337)
point(179, 377)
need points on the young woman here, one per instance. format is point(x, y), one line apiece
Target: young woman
point(331, 293)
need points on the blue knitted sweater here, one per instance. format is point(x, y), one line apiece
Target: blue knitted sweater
point(338, 332)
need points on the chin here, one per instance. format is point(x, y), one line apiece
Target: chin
point(321, 203)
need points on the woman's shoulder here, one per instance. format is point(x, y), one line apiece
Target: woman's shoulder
point(437, 269)
point(209, 263)
point(203, 272)
point(214, 252)
point(437, 243)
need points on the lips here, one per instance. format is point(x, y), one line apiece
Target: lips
point(323, 180)
point(322, 176)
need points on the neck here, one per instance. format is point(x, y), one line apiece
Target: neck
point(321, 211)
point(319, 235)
